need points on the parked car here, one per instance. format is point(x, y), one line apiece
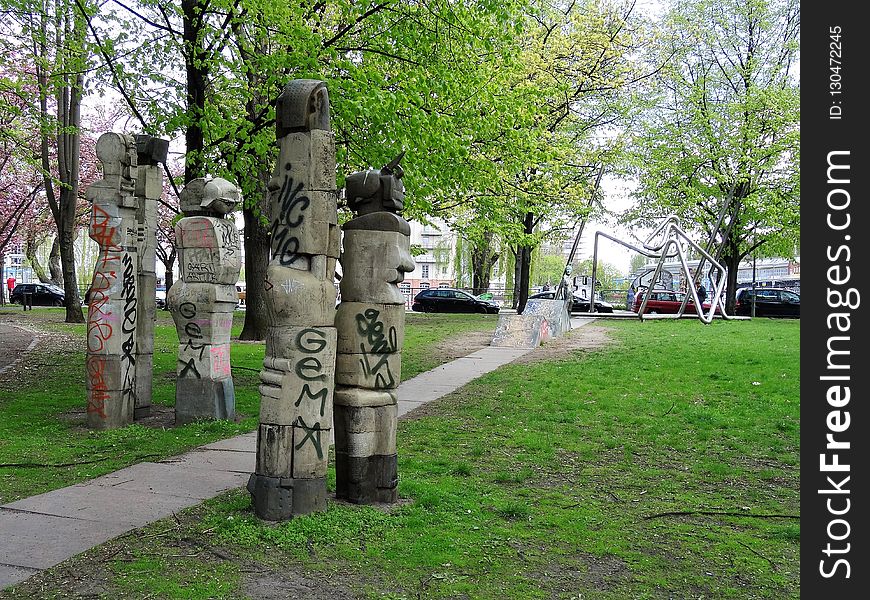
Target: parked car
point(578, 304)
point(42, 294)
point(160, 300)
point(449, 300)
point(667, 302)
point(769, 302)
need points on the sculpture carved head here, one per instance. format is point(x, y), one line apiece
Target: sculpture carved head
point(377, 189)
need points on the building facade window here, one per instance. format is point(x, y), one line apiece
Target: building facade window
point(424, 271)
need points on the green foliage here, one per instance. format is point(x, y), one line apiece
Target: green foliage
point(723, 119)
point(547, 268)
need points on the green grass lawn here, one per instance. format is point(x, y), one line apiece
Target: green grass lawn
point(45, 445)
point(664, 466)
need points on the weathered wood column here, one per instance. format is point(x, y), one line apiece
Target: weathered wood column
point(112, 305)
point(297, 377)
point(371, 330)
point(203, 299)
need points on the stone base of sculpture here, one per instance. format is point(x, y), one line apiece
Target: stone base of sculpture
point(281, 498)
point(204, 399)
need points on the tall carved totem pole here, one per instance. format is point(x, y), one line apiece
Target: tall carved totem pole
point(151, 153)
point(203, 300)
point(371, 329)
point(296, 392)
point(112, 306)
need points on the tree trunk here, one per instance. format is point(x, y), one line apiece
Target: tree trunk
point(71, 62)
point(196, 70)
point(3, 290)
point(30, 247)
point(517, 274)
point(731, 261)
point(525, 269)
point(257, 247)
point(524, 260)
point(482, 260)
point(168, 261)
point(54, 263)
point(73, 300)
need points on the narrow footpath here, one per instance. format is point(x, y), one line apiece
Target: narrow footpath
point(41, 531)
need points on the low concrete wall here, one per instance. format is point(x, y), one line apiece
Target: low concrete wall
point(521, 331)
point(555, 311)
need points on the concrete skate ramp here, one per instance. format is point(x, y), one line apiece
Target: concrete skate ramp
point(521, 331)
point(555, 311)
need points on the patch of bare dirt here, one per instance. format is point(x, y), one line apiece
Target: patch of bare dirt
point(459, 346)
point(582, 339)
point(272, 586)
point(49, 350)
point(161, 417)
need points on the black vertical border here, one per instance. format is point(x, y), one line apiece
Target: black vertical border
point(820, 135)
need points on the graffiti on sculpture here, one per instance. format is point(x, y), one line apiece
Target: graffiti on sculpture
point(203, 299)
point(371, 323)
point(297, 379)
point(376, 348)
point(112, 303)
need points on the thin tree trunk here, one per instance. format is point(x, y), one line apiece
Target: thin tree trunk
point(482, 260)
point(525, 265)
point(31, 244)
point(54, 263)
point(257, 246)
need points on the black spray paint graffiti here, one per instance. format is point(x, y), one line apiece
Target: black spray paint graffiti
point(376, 348)
point(193, 331)
point(128, 328)
point(311, 341)
point(229, 238)
point(201, 273)
point(286, 246)
point(311, 433)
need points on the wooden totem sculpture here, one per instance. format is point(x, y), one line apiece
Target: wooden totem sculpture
point(203, 300)
point(371, 329)
point(296, 388)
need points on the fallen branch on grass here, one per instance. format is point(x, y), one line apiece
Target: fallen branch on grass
point(725, 513)
point(32, 465)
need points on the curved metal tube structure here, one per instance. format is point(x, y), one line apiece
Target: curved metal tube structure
point(659, 245)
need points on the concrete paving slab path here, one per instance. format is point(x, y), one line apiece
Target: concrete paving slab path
point(41, 531)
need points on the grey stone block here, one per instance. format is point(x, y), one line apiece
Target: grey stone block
point(366, 480)
point(370, 371)
point(144, 380)
point(204, 399)
point(281, 498)
point(349, 396)
point(374, 328)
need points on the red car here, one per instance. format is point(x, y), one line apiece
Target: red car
point(666, 302)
